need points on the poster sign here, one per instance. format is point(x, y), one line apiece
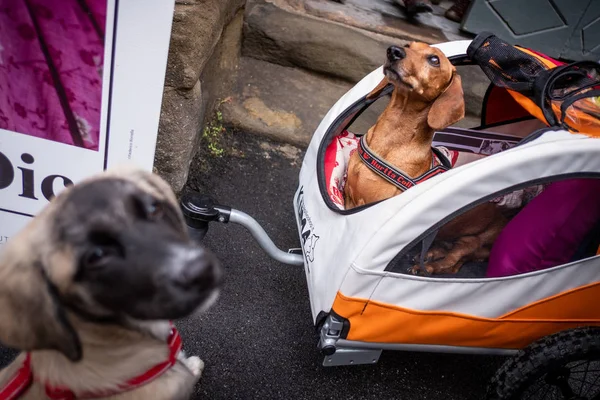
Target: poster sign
point(81, 85)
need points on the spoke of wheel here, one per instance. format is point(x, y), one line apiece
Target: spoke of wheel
point(587, 367)
point(593, 384)
point(580, 364)
point(582, 381)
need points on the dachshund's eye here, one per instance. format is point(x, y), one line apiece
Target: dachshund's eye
point(434, 60)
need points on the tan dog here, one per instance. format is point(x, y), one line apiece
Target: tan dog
point(87, 290)
point(427, 96)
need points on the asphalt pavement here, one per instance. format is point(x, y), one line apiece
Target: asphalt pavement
point(258, 341)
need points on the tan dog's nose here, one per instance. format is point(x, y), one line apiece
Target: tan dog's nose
point(395, 53)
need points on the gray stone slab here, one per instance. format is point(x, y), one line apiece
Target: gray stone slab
point(279, 102)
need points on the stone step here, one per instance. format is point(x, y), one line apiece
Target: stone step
point(279, 102)
point(287, 104)
point(279, 33)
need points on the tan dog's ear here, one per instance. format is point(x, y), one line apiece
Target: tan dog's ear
point(449, 108)
point(379, 88)
point(32, 317)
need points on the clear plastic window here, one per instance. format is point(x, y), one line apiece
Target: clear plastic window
point(528, 229)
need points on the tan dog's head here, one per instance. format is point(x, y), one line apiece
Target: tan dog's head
point(109, 249)
point(425, 72)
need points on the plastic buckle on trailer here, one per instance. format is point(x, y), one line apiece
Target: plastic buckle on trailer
point(336, 355)
point(329, 335)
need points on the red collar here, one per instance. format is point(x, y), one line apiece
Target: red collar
point(23, 378)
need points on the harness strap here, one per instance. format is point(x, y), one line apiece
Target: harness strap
point(19, 383)
point(23, 378)
point(397, 177)
point(425, 245)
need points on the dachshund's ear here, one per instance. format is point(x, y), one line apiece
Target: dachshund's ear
point(449, 107)
point(32, 317)
point(379, 88)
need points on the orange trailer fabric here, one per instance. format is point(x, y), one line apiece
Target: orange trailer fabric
point(376, 322)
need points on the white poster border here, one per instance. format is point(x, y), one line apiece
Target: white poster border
point(135, 61)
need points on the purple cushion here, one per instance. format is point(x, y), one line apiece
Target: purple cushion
point(549, 230)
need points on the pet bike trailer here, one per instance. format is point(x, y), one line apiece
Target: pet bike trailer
point(536, 156)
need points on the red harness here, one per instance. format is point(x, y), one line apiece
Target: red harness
point(397, 177)
point(23, 378)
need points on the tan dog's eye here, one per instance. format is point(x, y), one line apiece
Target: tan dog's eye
point(96, 256)
point(434, 60)
point(154, 210)
point(104, 247)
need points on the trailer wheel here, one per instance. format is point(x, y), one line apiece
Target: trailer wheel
point(565, 365)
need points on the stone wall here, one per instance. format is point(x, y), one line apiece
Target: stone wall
point(203, 58)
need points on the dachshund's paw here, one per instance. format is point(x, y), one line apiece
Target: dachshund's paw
point(417, 270)
point(417, 259)
point(195, 364)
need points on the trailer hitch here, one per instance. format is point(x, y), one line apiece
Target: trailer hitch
point(199, 210)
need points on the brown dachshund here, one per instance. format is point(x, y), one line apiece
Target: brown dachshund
point(427, 96)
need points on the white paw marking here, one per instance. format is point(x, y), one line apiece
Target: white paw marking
point(195, 364)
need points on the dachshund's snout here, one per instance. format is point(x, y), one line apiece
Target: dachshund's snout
point(395, 53)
